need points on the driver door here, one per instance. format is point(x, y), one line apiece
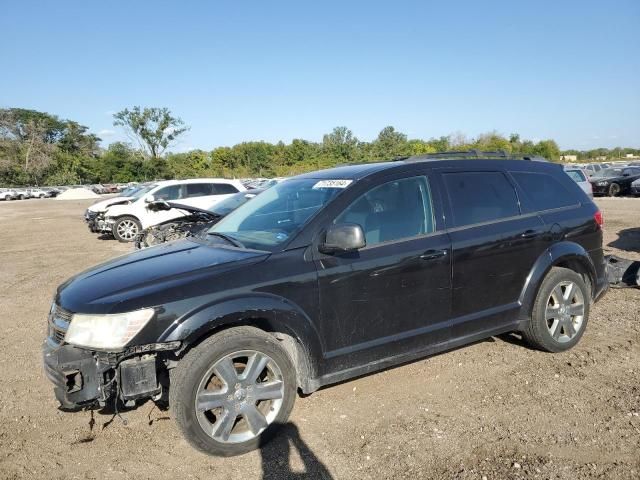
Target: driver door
point(393, 296)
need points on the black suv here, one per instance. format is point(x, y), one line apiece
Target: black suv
point(324, 277)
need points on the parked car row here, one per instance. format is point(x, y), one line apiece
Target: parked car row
point(22, 193)
point(606, 179)
point(614, 181)
point(8, 194)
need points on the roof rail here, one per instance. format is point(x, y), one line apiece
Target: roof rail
point(468, 154)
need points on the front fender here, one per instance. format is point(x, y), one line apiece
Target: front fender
point(557, 254)
point(268, 311)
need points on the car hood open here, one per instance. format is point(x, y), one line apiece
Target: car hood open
point(145, 272)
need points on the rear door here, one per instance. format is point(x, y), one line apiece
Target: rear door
point(494, 248)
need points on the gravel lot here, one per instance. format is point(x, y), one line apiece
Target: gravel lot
point(494, 409)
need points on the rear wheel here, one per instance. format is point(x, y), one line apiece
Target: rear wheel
point(560, 312)
point(232, 392)
point(126, 229)
point(614, 190)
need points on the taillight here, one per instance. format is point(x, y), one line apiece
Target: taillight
point(599, 218)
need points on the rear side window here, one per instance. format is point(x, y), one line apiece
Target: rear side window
point(545, 191)
point(478, 197)
point(223, 189)
point(576, 175)
point(199, 189)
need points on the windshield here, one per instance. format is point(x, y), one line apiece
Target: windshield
point(129, 191)
point(275, 215)
point(140, 193)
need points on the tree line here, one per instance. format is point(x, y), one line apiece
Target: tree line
point(38, 148)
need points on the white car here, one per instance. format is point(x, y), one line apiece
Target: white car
point(94, 215)
point(36, 193)
point(7, 194)
point(126, 221)
point(579, 176)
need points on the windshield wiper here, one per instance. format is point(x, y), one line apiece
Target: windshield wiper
point(228, 238)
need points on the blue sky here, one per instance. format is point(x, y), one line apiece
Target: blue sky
point(258, 70)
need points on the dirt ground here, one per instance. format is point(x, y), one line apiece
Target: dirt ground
point(495, 409)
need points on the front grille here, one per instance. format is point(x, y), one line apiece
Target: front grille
point(59, 320)
point(90, 215)
point(56, 334)
point(62, 314)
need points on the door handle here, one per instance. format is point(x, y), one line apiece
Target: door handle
point(530, 234)
point(433, 254)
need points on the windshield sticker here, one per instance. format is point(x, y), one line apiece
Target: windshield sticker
point(333, 184)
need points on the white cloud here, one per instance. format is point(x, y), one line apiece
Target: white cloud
point(105, 132)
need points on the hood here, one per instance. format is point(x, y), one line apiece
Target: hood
point(143, 275)
point(102, 205)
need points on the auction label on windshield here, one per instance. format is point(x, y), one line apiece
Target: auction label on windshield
point(333, 184)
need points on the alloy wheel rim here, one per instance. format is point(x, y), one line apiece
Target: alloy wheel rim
point(127, 229)
point(564, 313)
point(239, 396)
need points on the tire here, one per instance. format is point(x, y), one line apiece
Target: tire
point(126, 229)
point(237, 403)
point(21, 197)
point(560, 315)
point(614, 190)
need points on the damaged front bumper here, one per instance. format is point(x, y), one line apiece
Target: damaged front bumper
point(96, 222)
point(89, 379)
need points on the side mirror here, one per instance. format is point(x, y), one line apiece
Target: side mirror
point(345, 237)
point(149, 199)
point(158, 205)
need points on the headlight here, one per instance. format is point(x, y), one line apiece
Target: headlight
point(106, 331)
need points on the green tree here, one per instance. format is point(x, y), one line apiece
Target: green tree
point(340, 144)
point(155, 129)
point(389, 144)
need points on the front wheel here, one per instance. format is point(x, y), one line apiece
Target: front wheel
point(126, 229)
point(231, 393)
point(560, 312)
point(614, 190)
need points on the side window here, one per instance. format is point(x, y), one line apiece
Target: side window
point(545, 191)
point(168, 193)
point(478, 197)
point(223, 189)
point(198, 189)
point(576, 175)
point(392, 211)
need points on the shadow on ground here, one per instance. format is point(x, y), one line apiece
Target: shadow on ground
point(276, 461)
point(628, 240)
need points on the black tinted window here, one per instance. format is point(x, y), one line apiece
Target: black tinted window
point(168, 193)
point(480, 197)
point(223, 189)
point(199, 189)
point(545, 191)
point(392, 211)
